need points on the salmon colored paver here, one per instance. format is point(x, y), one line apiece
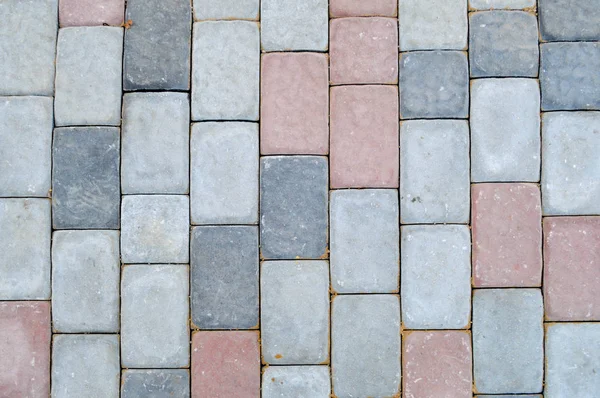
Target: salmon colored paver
point(361, 8)
point(91, 12)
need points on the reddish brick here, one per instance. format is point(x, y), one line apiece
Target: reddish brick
point(507, 235)
point(91, 12)
point(362, 8)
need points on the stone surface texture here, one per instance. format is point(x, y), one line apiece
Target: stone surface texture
point(501, 4)
point(160, 383)
point(226, 9)
point(296, 381)
point(91, 12)
point(359, 8)
point(564, 20)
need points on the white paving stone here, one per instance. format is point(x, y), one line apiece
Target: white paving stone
point(226, 9)
point(296, 381)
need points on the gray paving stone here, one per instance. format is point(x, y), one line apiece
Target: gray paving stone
point(296, 381)
point(434, 84)
point(562, 20)
point(27, 44)
point(294, 311)
point(154, 316)
point(25, 145)
point(224, 181)
point(226, 9)
point(501, 4)
point(88, 76)
point(225, 71)
point(155, 383)
point(365, 252)
point(85, 178)
point(225, 277)
point(157, 45)
point(365, 337)
point(436, 276)
point(508, 338)
point(503, 43)
point(25, 247)
point(434, 171)
point(509, 396)
point(562, 89)
point(156, 134)
point(570, 163)
point(293, 207)
point(505, 130)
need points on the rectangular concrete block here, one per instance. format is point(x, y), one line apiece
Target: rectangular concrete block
point(501, 4)
point(564, 20)
point(156, 383)
point(358, 8)
point(91, 12)
point(226, 9)
point(296, 381)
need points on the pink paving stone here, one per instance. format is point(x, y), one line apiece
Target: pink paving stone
point(225, 365)
point(363, 8)
point(507, 235)
point(364, 50)
point(437, 364)
point(91, 12)
point(572, 268)
point(294, 108)
point(25, 349)
point(364, 137)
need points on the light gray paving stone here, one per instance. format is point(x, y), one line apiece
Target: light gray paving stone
point(25, 247)
point(296, 381)
point(25, 145)
point(156, 134)
point(294, 310)
point(226, 9)
point(434, 171)
point(365, 337)
point(570, 163)
point(225, 71)
point(88, 76)
point(155, 383)
point(505, 130)
point(508, 338)
point(501, 4)
point(436, 276)
point(154, 316)
point(562, 20)
point(224, 181)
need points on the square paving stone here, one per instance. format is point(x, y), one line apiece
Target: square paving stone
point(364, 50)
point(25, 145)
point(225, 277)
point(566, 20)
point(154, 316)
point(296, 381)
point(508, 353)
point(364, 137)
point(501, 4)
point(91, 12)
point(88, 76)
point(505, 130)
point(226, 9)
point(225, 163)
point(365, 252)
point(225, 71)
point(434, 84)
point(294, 110)
point(85, 281)
point(294, 293)
point(25, 349)
point(85, 178)
point(436, 276)
point(434, 164)
point(365, 354)
point(293, 207)
point(156, 135)
point(157, 45)
point(156, 383)
point(359, 8)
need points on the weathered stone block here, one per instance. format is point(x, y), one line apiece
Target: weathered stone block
point(566, 20)
point(358, 8)
point(296, 381)
point(159, 383)
point(226, 9)
point(91, 12)
point(501, 4)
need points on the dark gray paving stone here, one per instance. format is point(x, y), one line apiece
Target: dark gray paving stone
point(296, 382)
point(85, 178)
point(155, 383)
point(157, 45)
point(225, 277)
point(562, 20)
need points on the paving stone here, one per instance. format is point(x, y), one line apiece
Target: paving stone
point(156, 134)
point(85, 178)
point(154, 316)
point(365, 252)
point(508, 351)
point(364, 137)
point(507, 235)
point(225, 163)
point(434, 84)
point(226, 9)
point(85, 281)
point(91, 12)
point(28, 45)
point(25, 349)
point(509, 396)
point(501, 4)
point(365, 352)
point(570, 163)
point(225, 277)
point(159, 383)
point(364, 50)
point(225, 71)
point(296, 381)
point(434, 180)
point(359, 8)
point(157, 45)
point(294, 110)
point(25, 146)
point(85, 365)
point(436, 276)
point(293, 207)
point(25, 247)
point(294, 293)
point(88, 76)
point(562, 20)
point(505, 130)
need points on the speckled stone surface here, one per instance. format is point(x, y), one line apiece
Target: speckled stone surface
point(91, 12)
point(226, 9)
point(160, 383)
point(564, 20)
point(296, 381)
point(501, 4)
point(359, 8)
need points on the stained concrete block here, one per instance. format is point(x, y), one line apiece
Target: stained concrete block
point(91, 12)
point(226, 9)
point(354, 8)
point(155, 383)
point(296, 381)
point(566, 20)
